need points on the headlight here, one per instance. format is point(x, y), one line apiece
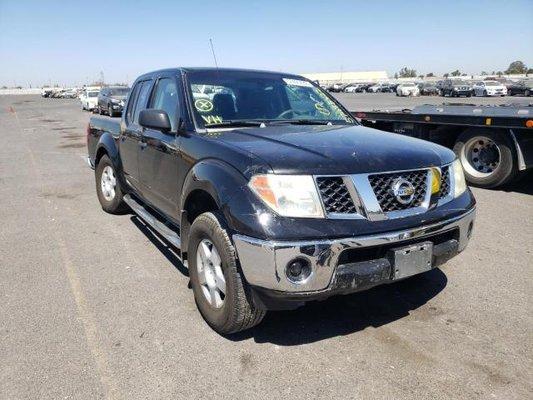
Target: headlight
point(459, 178)
point(288, 195)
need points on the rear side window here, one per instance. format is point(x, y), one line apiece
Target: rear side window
point(140, 104)
point(165, 98)
point(131, 102)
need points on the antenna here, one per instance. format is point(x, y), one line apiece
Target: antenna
point(213, 51)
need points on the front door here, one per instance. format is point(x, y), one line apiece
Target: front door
point(159, 151)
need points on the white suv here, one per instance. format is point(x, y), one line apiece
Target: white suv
point(489, 88)
point(89, 99)
point(407, 89)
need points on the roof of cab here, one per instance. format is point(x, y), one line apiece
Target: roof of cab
point(178, 70)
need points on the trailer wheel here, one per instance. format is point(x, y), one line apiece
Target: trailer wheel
point(488, 157)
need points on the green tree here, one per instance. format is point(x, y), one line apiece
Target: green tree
point(455, 73)
point(396, 75)
point(407, 73)
point(529, 71)
point(499, 73)
point(431, 74)
point(446, 75)
point(483, 73)
point(516, 67)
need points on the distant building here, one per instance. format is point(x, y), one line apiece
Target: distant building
point(327, 78)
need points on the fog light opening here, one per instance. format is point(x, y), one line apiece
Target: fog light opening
point(298, 270)
point(470, 229)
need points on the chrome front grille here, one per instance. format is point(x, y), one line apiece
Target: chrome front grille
point(445, 182)
point(335, 195)
point(382, 186)
point(372, 197)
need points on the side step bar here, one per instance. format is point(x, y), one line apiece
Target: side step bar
point(155, 223)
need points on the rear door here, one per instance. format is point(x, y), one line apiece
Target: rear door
point(130, 138)
point(158, 157)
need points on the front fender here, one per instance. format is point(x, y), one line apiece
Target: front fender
point(228, 187)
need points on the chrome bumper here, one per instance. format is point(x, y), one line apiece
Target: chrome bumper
point(263, 262)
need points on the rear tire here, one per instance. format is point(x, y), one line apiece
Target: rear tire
point(505, 168)
point(108, 188)
point(232, 309)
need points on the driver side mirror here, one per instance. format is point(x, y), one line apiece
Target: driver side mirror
point(155, 119)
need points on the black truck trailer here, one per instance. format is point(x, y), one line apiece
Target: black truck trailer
point(494, 143)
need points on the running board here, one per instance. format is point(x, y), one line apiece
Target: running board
point(155, 223)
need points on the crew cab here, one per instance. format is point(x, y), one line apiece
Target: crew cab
point(272, 193)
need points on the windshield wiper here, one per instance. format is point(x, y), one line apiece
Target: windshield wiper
point(235, 123)
point(301, 122)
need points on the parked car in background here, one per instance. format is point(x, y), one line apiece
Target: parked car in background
point(380, 88)
point(355, 88)
point(46, 92)
point(69, 94)
point(523, 88)
point(374, 88)
point(407, 89)
point(387, 88)
point(336, 88)
point(57, 94)
point(429, 89)
point(489, 88)
point(89, 99)
point(111, 100)
point(456, 88)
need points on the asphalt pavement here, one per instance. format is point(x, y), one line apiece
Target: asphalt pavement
point(94, 306)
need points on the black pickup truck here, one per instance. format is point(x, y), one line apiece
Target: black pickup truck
point(272, 193)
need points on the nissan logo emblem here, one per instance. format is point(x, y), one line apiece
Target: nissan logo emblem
point(403, 190)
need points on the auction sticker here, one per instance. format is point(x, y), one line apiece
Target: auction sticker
point(322, 109)
point(203, 105)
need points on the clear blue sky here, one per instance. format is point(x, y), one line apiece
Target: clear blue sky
point(69, 42)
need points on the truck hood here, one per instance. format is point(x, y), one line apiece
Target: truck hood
point(338, 149)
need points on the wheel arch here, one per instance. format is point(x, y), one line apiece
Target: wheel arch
point(208, 186)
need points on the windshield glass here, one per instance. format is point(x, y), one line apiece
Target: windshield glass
point(488, 83)
point(118, 91)
point(221, 96)
point(92, 94)
point(459, 82)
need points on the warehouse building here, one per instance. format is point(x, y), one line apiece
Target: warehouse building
point(327, 78)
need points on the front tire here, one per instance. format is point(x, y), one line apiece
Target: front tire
point(220, 292)
point(488, 158)
point(108, 188)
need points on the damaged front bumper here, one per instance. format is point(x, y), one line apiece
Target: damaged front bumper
point(347, 264)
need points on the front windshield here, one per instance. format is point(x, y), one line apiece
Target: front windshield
point(119, 91)
point(222, 96)
point(492, 83)
point(92, 94)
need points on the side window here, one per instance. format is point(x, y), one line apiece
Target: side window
point(165, 98)
point(131, 103)
point(140, 104)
